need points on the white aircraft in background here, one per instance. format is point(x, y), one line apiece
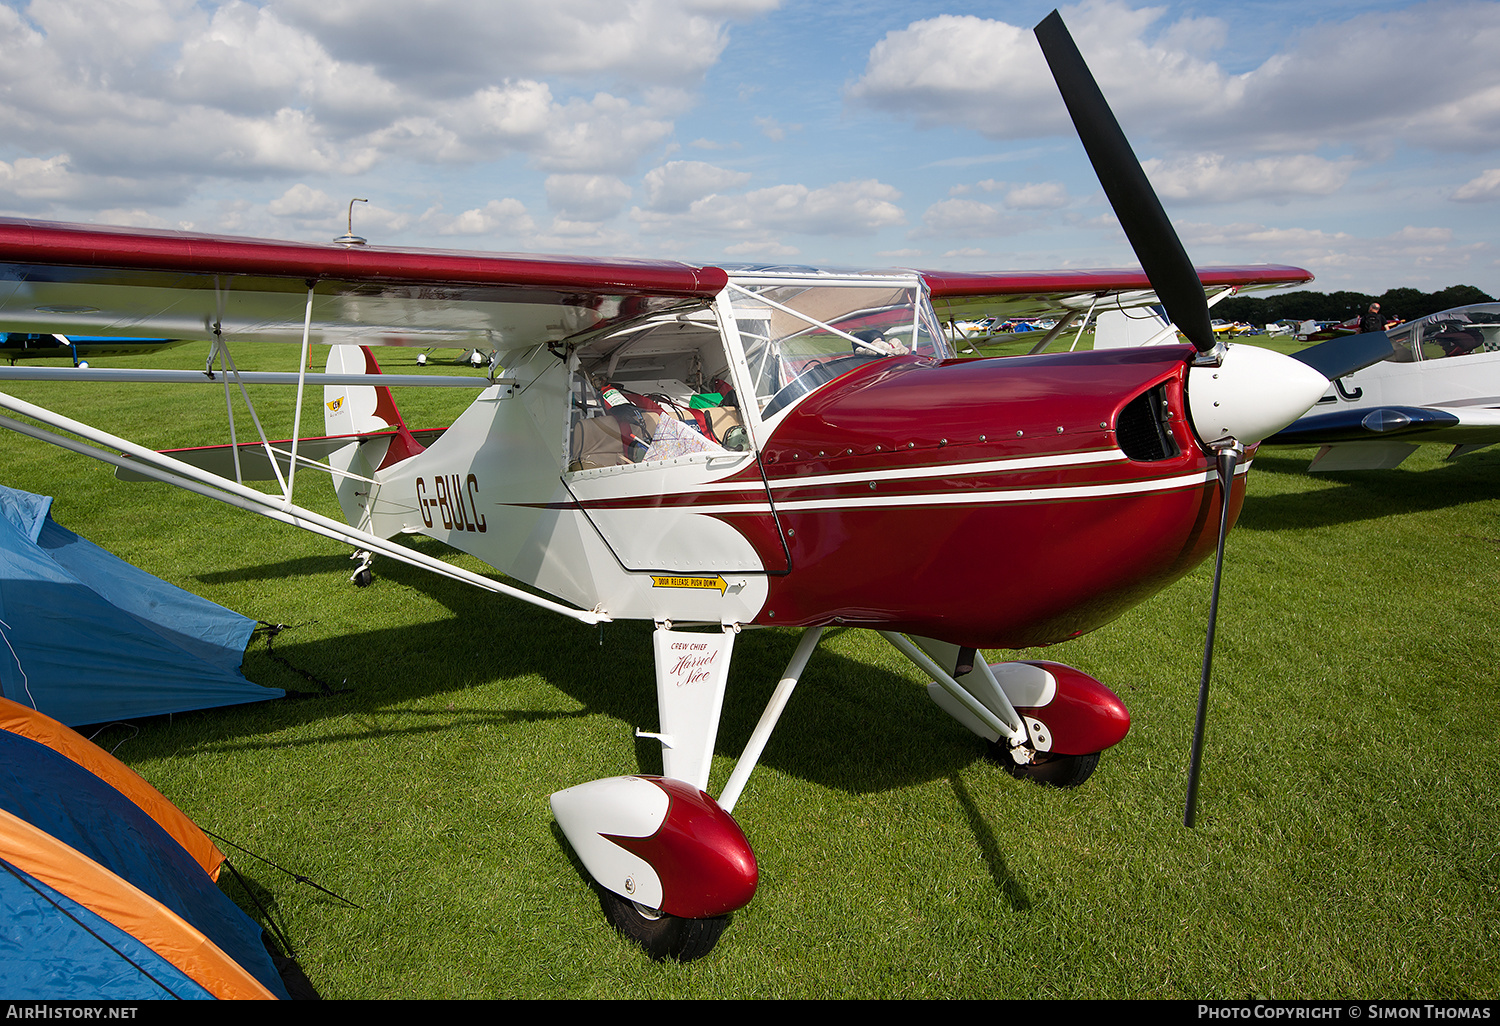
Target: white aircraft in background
point(1440, 384)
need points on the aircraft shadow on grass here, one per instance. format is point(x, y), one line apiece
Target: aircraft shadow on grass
point(1360, 495)
point(836, 732)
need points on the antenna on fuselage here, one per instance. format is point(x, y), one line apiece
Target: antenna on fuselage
point(349, 238)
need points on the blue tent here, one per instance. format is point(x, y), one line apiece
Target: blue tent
point(107, 890)
point(85, 637)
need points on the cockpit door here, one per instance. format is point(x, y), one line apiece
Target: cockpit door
point(665, 469)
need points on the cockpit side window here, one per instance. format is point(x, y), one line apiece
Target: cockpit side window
point(1462, 331)
point(652, 393)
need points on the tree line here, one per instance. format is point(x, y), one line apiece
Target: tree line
point(1406, 304)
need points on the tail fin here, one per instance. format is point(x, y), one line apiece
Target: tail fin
point(360, 409)
point(1114, 329)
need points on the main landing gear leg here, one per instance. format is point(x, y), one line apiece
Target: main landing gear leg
point(1043, 721)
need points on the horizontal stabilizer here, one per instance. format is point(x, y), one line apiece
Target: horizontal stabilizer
point(255, 465)
point(1360, 456)
point(1462, 450)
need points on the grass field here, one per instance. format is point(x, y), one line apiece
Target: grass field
point(1349, 826)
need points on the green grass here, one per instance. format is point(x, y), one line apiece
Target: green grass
point(1349, 828)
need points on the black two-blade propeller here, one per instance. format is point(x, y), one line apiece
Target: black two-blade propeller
point(1156, 245)
point(1180, 290)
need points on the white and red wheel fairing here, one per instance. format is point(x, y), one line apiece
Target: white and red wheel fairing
point(1083, 716)
point(660, 842)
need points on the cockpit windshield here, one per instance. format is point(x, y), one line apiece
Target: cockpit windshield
point(669, 389)
point(799, 334)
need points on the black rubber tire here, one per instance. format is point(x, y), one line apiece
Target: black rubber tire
point(1049, 770)
point(362, 578)
point(661, 935)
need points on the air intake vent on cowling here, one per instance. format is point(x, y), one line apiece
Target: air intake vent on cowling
point(1142, 429)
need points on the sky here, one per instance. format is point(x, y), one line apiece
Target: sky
point(1359, 139)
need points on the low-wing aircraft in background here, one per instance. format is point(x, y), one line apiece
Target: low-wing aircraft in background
point(715, 449)
point(1441, 384)
point(15, 345)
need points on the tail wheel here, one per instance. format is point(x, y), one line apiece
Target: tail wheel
point(663, 936)
point(1046, 768)
point(362, 575)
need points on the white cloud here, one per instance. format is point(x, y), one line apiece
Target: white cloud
point(757, 219)
point(960, 217)
point(966, 218)
point(138, 218)
point(990, 76)
point(1480, 190)
point(951, 70)
point(228, 89)
point(844, 208)
point(248, 60)
point(302, 201)
point(774, 130)
point(506, 217)
point(313, 212)
point(34, 178)
point(1212, 177)
point(604, 134)
point(763, 249)
point(587, 197)
point(1037, 196)
point(1413, 256)
point(461, 44)
point(676, 185)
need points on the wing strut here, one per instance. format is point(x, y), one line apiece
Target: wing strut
point(291, 473)
point(149, 463)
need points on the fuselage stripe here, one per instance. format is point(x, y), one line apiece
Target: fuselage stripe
point(1056, 493)
point(1071, 459)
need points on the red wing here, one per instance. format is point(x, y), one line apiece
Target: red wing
point(961, 295)
point(129, 281)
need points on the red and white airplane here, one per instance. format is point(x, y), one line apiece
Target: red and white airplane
point(715, 449)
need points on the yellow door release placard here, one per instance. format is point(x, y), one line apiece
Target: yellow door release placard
point(714, 583)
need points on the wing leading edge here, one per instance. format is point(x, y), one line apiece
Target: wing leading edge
point(63, 278)
point(959, 295)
